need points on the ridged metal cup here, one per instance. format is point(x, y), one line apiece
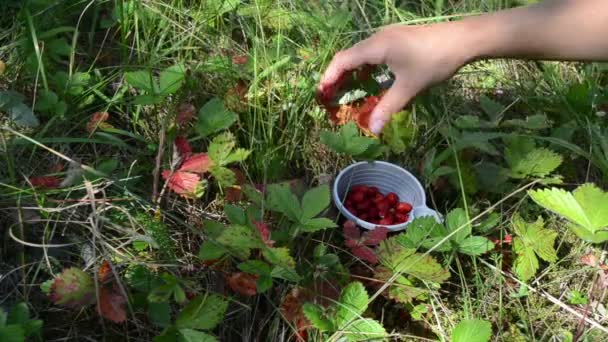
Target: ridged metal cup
point(387, 178)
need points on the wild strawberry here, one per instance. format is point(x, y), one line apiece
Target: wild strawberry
point(403, 207)
point(364, 216)
point(372, 190)
point(373, 212)
point(358, 196)
point(363, 205)
point(351, 209)
point(392, 198)
point(378, 198)
point(383, 206)
point(387, 221)
point(401, 218)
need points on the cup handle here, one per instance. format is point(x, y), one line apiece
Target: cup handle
point(426, 211)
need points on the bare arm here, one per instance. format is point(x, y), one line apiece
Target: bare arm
point(421, 56)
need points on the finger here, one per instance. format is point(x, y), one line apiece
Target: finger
point(392, 102)
point(346, 60)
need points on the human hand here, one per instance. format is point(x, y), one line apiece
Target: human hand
point(419, 56)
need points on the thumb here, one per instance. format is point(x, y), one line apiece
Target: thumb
point(392, 102)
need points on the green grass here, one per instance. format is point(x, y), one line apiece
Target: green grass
point(287, 45)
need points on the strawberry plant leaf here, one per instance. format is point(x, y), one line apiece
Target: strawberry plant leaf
point(316, 224)
point(424, 232)
point(214, 117)
point(472, 330)
point(243, 283)
point(211, 250)
point(317, 317)
point(282, 200)
point(365, 253)
point(147, 100)
point(402, 290)
point(171, 79)
point(586, 208)
point(20, 313)
point(315, 201)
point(400, 132)
point(191, 335)
point(235, 214)
point(539, 162)
point(159, 313)
point(224, 176)
point(456, 219)
point(141, 79)
point(239, 155)
point(347, 140)
point(204, 312)
point(285, 273)
point(364, 329)
point(353, 302)
point(12, 333)
point(213, 228)
point(197, 163)
point(475, 245)
point(279, 256)
point(493, 109)
point(73, 288)
point(374, 237)
point(400, 259)
point(221, 146)
point(111, 304)
point(237, 236)
point(532, 240)
point(254, 267)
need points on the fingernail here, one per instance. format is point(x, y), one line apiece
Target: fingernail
point(376, 126)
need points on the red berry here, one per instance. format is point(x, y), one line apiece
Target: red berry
point(378, 198)
point(358, 196)
point(404, 207)
point(363, 205)
point(351, 209)
point(359, 188)
point(385, 221)
point(373, 212)
point(401, 218)
point(383, 206)
point(364, 216)
point(372, 190)
point(392, 198)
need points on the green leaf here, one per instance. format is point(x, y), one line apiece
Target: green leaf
point(457, 219)
point(316, 224)
point(204, 312)
point(279, 256)
point(400, 132)
point(254, 267)
point(140, 79)
point(364, 329)
point(264, 283)
point(171, 79)
point(12, 333)
point(19, 314)
point(147, 100)
point(32, 327)
point(286, 273)
point(213, 228)
point(224, 176)
point(159, 313)
point(353, 302)
point(538, 162)
point(237, 236)
point(538, 121)
point(239, 155)
point(140, 278)
point(586, 208)
point(532, 239)
point(282, 200)
point(315, 201)
point(73, 288)
point(46, 100)
point(214, 117)
point(475, 245)
point(424, 232)
point(400, 259)
point(3, 317)
point(235, 214)
point(221, 147)
point(493, 109)
point(9, 98)
point(472, 330)
point(211, 250)
point(23, 115)
point(347, 140)
point(191, 335)
point(317, 317)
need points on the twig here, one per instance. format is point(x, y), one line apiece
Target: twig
point(159, 160)
point(549, 297)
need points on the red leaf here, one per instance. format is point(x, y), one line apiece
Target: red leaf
point(243, 283)
point(264, 232)
point(365, 253)
point(236, 97)
point(183, 146)
point(350, 243)
point(373, 237)
point(98, 120)
point(49, 182)
point(589, 259)
point(234, 193)
point(350, 230)
point(291, 307)
point(111, 304)
point(197, 163)
point(185, 113)
point(239, 59)
point(183, 183)
point(104, 273)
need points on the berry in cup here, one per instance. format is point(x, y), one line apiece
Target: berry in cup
point(370, 205)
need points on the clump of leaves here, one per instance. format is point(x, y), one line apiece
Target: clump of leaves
point(159, 233)
point(156, 90)
point(344, 318)
point(408, 269)
point(198, 317)
point(532, 240)
point(586, 208)
point(348, 141)
point(16, 325)
point(302, 214)
point(360, 244)
point(526, 160)
point(73, 288)
point(426, 232)
point(400, 132)
point(12, 103)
